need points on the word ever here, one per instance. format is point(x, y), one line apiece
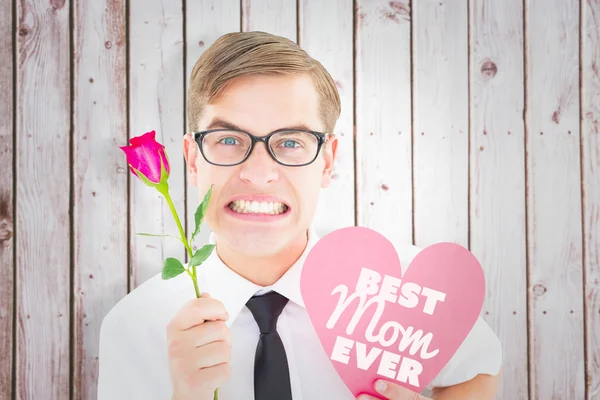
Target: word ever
point(408, 371)
point(369, 285)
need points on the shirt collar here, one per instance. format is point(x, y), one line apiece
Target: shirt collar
point(234, 291)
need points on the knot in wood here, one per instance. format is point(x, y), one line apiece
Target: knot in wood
point(6, 232)
point(539, 289)
point(57, 4)
point(489, 69)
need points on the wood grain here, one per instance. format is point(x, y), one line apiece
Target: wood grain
point(440, 71)
point(554, 200)
point(528, 190)
point(497, 183)
point(7, 226)
point(330, 42)
point(156, 103)
point(590, 134)
point(100, 178)
point(42, 210)
point(206, 21)
point(383, 119)
point(276, 17)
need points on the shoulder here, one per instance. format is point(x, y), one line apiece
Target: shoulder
point(133, 339)
point(147, 309)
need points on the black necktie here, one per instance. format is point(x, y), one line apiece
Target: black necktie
point(271, 372)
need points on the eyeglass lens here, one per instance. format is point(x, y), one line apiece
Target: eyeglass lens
point(231, 147)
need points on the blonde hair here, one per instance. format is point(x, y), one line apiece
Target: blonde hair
point(246, 53)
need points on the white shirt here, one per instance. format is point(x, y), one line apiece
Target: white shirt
point(133, 361)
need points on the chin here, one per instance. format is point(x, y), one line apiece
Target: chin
point(257, 241)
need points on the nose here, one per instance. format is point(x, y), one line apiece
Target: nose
point(259, 168)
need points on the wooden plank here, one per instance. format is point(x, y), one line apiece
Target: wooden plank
point(7, 226)
point(156, 103)
point(276, 17)
point(497, 185)
point(100, 179)
point(440, 142)
point(331, 43)
point(383, 119)
point(590, 103)
point(554, 200)
point(206, 21)
point(42, 211)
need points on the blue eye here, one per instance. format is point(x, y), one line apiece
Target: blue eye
point(228, 141)
point(290, 144)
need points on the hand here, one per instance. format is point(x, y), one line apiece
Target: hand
point(392, 391)
point(199, 345)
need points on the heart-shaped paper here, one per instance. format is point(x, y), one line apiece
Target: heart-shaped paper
point(413, 322)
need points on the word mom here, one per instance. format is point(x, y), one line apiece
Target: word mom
point(370, 284)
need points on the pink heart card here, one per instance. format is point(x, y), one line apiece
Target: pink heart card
point(374, 323)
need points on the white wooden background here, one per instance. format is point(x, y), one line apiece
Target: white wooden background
point(474, 121)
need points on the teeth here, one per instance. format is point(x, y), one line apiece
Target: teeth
point(256, 207)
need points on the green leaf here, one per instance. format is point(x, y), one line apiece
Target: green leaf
point(201, 212)
point(201, 255)
point(152, 234)
point(171, 268)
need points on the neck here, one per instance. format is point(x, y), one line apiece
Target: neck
point(262, 270)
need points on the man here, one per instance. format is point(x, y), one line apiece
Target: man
point(261, 113)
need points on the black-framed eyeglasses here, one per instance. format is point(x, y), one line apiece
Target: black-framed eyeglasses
point(289, 147)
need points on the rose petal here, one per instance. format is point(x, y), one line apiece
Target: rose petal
point(140, 140)
point(145, 155)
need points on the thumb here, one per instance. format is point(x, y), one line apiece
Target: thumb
point(394, 391)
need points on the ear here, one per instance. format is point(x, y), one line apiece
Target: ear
point(190, 152)
point(329, 155)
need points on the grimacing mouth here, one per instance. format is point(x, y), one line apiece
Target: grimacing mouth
point(244, 206)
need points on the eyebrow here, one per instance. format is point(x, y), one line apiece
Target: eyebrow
point(221, 123)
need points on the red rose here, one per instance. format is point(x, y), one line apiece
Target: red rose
point(146, 159)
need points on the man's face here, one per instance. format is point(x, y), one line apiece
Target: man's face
point(260, 105)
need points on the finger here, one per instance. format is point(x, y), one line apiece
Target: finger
point(208, 332)
point(211, 355)
point(212, 377)
point(367, 397)
point(195, 312)
point(394, 391)
point(203, 334)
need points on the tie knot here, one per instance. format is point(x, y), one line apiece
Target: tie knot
point(266, 309)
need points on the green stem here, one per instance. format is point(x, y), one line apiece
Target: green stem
point(195, 282)
point(165, 192)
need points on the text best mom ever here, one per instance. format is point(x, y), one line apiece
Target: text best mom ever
point(372, 293)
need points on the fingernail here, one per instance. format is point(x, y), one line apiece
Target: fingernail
point(380, 386)
point(205, 295)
